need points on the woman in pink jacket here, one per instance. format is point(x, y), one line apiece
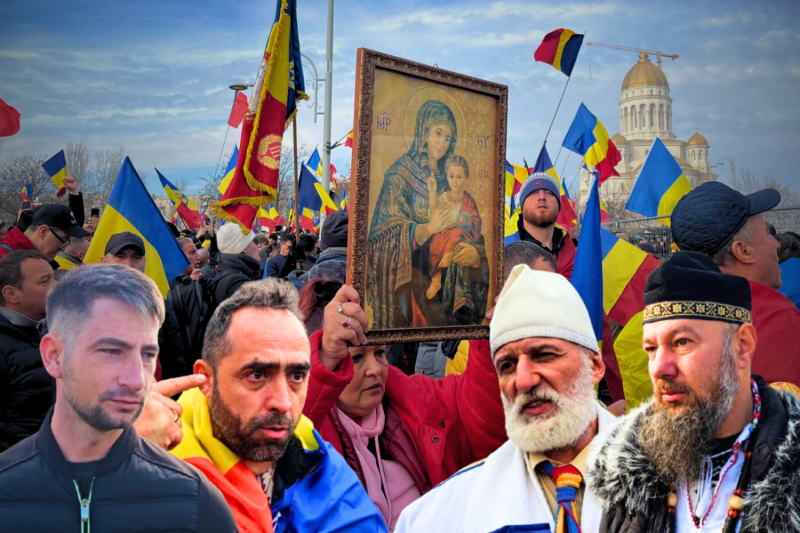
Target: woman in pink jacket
point(401, 434)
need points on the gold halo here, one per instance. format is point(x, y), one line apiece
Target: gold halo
point(433, 92)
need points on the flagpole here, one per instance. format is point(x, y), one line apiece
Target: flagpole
point(296, 191)
point(225, 141)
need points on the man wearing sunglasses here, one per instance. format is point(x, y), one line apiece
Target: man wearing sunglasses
point(51, 230)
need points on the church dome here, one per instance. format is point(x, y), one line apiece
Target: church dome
point(618, 139)
point(644, 74)
point(697, 140)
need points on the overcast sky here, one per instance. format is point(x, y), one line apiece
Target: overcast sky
point(153, 76)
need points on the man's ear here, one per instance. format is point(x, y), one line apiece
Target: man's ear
point(52, 349)
point(42, 231)
point(202, 367)
point(744, 345)
point(597, 365)
point(10, 294)
point(743, 252)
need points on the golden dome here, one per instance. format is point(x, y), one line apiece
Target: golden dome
point(618, 139)
point(644, 74)
point(697, 140)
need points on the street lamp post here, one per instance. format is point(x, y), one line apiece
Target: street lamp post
point(326, 154)
point(733, 167)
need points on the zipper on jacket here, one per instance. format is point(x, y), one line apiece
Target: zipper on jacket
point(84, 503)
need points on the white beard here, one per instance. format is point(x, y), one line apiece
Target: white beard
point(562, 426)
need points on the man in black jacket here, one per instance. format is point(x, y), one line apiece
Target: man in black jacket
point(87, 466)
point(717, 449)
point(25, 386)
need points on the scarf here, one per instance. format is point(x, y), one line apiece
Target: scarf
point(241, 488)
point(390, 487)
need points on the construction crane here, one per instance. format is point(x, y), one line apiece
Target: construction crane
point(656, 53)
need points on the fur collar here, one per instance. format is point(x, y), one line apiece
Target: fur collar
point(621, 475)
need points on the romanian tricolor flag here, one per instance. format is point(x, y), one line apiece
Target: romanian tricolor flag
point(131, 208)
point(515, 177)
point(604, 216)
point(567, 218)
point(27, 192)
point(186, 208)
point(272, 107)
point(587, 274)
point(625, 270)
point(315, 162)
point(312, 195)
point(588, 137)
point(56, 168)
point(560, 48)
point(307, 219)
point(269, 218)
point(349, 140)
point(238, 111)
point(343, 203)
point(659, 186)
point(229, 170)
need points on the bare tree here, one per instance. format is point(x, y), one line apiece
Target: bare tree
point(104, 171)
point(285, 199)
point(15, 173)
point(182, 183)
point(77, 159)
point(746, 182)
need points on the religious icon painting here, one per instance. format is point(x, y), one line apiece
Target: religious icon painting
point(425, 249)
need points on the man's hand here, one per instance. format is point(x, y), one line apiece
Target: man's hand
point(91, 224)
point(71, 184)
point(335, 335)
point(196, 274)
point(157, 422)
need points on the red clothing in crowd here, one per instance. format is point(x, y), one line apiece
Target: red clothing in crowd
point(16, 240)
point(565, 257)
point(777, 323)
point(452, 422)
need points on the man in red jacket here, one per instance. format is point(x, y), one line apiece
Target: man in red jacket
point(720, 222)
point(50, 231)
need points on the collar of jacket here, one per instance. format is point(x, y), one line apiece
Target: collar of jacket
point(559, 237)
point(18, 319)
point(775, 485)
point(120, 451)
point(241, 262)
point(332, 251)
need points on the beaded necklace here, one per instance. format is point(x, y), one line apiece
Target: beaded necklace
point(736, 502)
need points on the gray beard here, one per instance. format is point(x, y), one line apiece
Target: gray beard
point(678, 440)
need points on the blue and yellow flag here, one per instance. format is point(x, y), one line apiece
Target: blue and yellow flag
point(226, 180)
point(587, 275)
point(661, 183)
point(56, 168)
point(131, 208)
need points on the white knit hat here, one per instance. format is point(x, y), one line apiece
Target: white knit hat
point(540, 304)
point(231, 240)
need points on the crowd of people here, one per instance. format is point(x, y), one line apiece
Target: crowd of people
point(249, 398)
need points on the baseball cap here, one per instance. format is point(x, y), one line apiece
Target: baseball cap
point(118, 241)
point(58, 216)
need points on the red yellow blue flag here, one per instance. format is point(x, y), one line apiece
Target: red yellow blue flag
point(56, 168)
point(560, 49)
point(27, 192)
point(279, 85)
point(587, 274)
point(185, 207)
point(588, 137)
point(312, 194)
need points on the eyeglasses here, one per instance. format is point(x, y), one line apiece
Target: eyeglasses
point(64, 243)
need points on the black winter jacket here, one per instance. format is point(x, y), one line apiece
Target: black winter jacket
point(233, 271)
point(26, 389)
point(136, 487)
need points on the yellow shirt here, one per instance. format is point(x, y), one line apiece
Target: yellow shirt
point(548, 487)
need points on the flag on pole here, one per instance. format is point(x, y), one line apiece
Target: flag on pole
point(588, 137)
point(27, 192)
point(605, 218)
point(659, 186)
point(56, 168)
point(587, 275)
point(9, 120)
point(238, 111)
point(567, 218)
point(349, 140)
point(229, 170)
point(515, 177)
point(312, 194)
point(186, 208)
point(315, 162)
point(279, 85)
point(131, 208)
point(560, 49)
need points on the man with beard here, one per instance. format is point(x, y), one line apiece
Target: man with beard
point(548, 361)
point(87, 467)
point(540, 198)
point(244, 429)
point(717, 449)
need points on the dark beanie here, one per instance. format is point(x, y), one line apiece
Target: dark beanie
point(334, 230)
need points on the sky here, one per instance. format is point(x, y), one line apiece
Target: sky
point(153, 76)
